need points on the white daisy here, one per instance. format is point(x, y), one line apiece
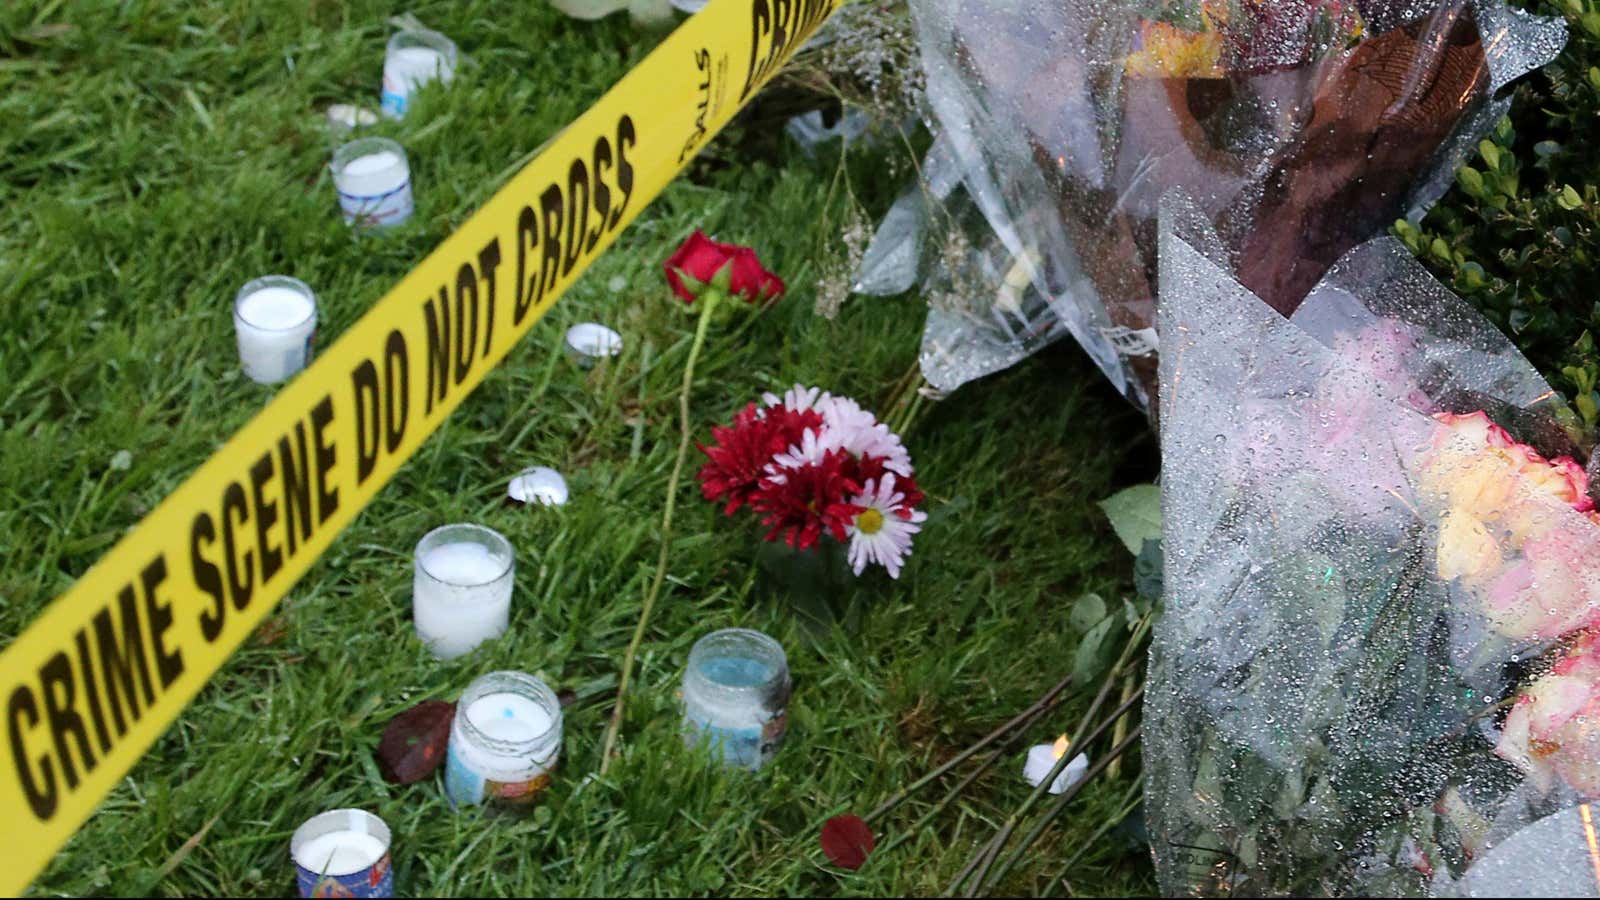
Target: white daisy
point(796, 399)
point(882, 531)
point(811, 450)
point(853, 429)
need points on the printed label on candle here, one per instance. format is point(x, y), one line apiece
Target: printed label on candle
point(376, 880)
point(748, 746)
point(466, 786)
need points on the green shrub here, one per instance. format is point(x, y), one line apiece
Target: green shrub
point(1519, 234)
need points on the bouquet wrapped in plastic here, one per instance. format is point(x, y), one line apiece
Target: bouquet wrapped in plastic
point(1300, 128)
point(1378, 668)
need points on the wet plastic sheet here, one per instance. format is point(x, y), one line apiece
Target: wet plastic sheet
point(1337, 678)
point(1300, 127)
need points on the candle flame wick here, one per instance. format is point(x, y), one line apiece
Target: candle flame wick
point(1061, 745)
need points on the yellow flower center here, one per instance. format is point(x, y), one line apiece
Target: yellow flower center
point(869, 522)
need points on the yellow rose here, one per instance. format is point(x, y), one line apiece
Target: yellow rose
point(1466, 549)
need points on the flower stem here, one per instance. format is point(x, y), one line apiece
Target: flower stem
point(1023, 718)
point(708, 303)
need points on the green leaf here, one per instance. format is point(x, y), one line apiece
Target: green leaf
point(1087, 612)
point(1569, 198)
point(1471, 180)
point(1094, 653)
point(1147, 574)
point(1490, 153)
point(1135, 515)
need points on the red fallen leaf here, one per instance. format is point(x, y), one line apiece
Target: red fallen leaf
point(847, 840)
point(414, 743)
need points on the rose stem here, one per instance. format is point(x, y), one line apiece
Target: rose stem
point(1077, 740)
point(1038, 706)
point(1056, 807)
point(708, 302)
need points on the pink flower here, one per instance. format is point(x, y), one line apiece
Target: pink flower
point(1554, 728)
point(1553, 589)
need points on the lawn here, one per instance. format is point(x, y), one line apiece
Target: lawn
point(153, 158)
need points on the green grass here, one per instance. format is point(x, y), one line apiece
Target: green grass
point(153, 158)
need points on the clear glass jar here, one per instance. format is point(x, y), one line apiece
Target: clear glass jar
point(413, 59)
point(505, 740)
point(373, 179)
point(461, 587)
point(736, 696)
point(275, 319)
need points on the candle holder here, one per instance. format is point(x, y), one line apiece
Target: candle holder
point(342, 853)
point(538, 484)
point(504, 742)
point(373, 178)
point(461, 591)
point(589, 343)
point(275, 318)
point(736, 696)
point(413, 59)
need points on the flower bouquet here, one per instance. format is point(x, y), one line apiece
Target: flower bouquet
point(1377, 669)
point(824, 477)
point(1299, 127)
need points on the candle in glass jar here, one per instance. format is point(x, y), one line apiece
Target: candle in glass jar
point(413, 59)
point(342, 853)
point(373, 179)
point(736, 696)
point(275, 319)
point(504, 741)
point(461, 591)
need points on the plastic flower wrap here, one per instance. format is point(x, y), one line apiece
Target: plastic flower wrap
point(1300, 127)
point(813, 467)
point(1376, 672)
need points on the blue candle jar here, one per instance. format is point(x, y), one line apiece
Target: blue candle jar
point(736, 696)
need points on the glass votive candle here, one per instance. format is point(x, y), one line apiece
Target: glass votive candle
point(504, 742)
point(736, 696)
point(373, 179)
point(413, 59)
point(275, 319)
point(461, 590)
point(588, 343)
point(342, 853)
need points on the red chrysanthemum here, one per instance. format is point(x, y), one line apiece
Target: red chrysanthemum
point(799, 504)
point(738, 460)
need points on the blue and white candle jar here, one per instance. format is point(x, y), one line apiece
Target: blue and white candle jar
point(414, 58)
point(736, 696)
point(342, 853)
point(505, 741)
point(373, 178)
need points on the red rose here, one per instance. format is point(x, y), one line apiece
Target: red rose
point(702, 260)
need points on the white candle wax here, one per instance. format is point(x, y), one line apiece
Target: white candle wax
point(373, 179)
point(461, 597)
point(275, 324)
point(340, 852)
point(1042, 758)
point(509, 717)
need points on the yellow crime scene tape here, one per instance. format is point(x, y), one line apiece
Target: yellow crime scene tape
point(92, 683)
